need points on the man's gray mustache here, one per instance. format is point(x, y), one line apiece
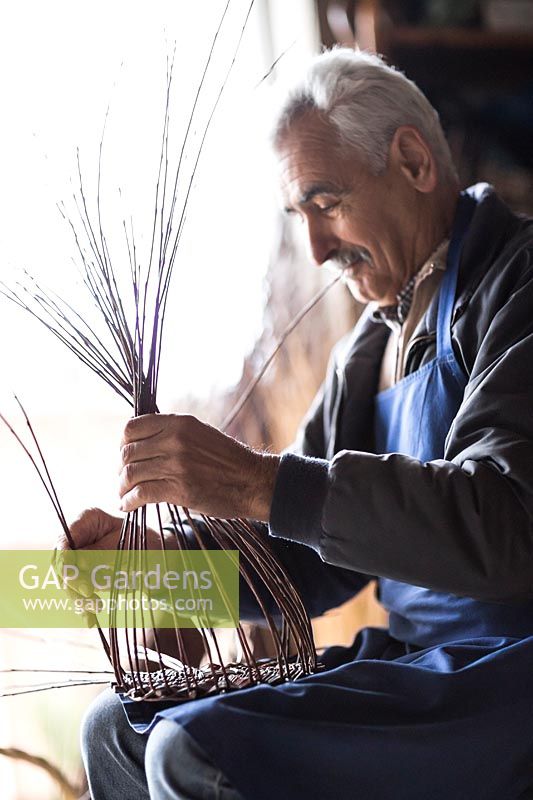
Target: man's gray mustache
point(346, 258)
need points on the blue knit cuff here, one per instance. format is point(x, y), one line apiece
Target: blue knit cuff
point(299, 496)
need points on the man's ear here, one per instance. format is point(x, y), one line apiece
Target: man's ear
point(410, 154)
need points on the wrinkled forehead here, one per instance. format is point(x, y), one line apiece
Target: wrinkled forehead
point(309, 153)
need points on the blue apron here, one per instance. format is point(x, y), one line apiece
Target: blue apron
point(438, 707)
point(414, 417)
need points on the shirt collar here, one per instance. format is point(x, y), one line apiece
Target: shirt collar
point(397, 312)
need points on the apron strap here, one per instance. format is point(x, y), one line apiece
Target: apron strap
point(464, 213)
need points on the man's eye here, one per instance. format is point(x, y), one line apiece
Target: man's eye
point(328, 208)
point(293, 214)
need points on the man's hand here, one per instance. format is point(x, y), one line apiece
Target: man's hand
point(93, 530)
point(175, 458)
point(96, 530)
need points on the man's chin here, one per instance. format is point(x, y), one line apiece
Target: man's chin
point(361, 292)
point(366, 290)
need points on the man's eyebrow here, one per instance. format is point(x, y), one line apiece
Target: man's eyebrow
point(313, 191)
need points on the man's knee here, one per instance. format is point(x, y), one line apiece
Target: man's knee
point(102, 723)
point(175, 763)
point(113, 753)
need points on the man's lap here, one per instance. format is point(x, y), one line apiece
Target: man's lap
point(444, 715)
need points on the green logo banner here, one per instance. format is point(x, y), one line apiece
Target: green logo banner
point(119, 588)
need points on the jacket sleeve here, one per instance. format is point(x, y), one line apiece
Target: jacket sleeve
point(461, 525)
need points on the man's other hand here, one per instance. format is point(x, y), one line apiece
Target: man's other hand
point(176, 458)
point(93, 530)
point(96, 530)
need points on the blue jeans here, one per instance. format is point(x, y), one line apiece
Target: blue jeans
point(165, 765)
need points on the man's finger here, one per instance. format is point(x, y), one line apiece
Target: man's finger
point(143, 427)
point(92, 525)
point(86, 528)
point(140, 472)
point(156, 491)
point(140, 451)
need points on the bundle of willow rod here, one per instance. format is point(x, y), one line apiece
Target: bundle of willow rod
point(127, 358)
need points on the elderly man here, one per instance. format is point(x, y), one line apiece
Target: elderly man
point(414, 466)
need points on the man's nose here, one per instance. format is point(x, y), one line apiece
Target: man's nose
point(322, 243)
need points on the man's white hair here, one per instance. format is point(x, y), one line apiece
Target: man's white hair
point(366, 101)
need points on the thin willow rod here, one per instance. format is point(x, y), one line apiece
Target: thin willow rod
point(274, 64)
point(159, 205)
point(236, 409)
point(111, 364)
point(203, 633)
point(137, 371)
point(288, 600)
point(208, 125)
point(44, 684)
point(164, 157)
point(179, 638)
point(216, 527)
point(95, 271)
point(43, 640)
point(71, 337)
point(175, 515)
point(286, 587)
point(182, 544)
point(132, 253)
point(113, 636)
point(135, 550)
point(261, 567)
point(84, 356)
point(141, 555)
point(106, 260)
point(64, 325)
point(47, 687)
point(164, 291)
point(55, 670)
point(85, 216)
point(100, 250)
point(190, 122)
point(49, 491)
point(222, 590)
point(256, 552)
point(124, 329)
point(91, 282)
point(109, 301)
point(247, 569)
point(93, 279)
point(57, 504)
point(116, 320)
point(159, 212)
point(269, 578)
point(185, 140)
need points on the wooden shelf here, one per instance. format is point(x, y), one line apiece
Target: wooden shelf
point(459, 38)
